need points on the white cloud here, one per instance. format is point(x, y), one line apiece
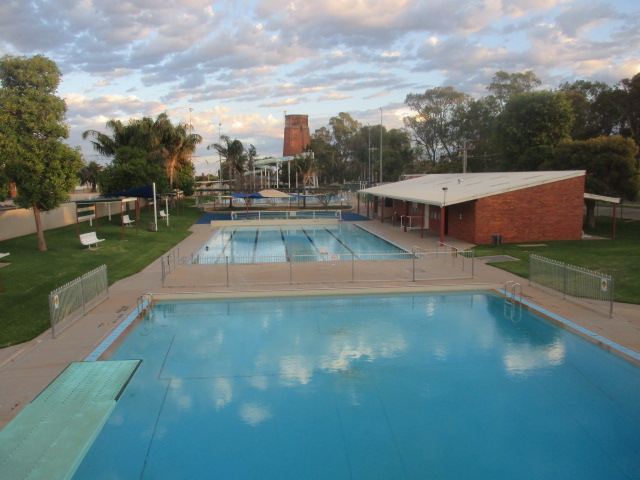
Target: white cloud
point(255, 59)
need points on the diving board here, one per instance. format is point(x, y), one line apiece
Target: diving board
point(51, 436)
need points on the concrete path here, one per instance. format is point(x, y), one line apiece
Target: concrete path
point(26, 369)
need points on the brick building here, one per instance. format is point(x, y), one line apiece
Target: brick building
point(296, 135)
point(476, 207)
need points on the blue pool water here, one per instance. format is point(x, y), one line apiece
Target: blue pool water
point(295, 244)
point(413, 386)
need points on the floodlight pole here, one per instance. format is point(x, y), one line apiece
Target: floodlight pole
point(155, 208)
point(380, 146)
point(369, 126)
point(443, 214)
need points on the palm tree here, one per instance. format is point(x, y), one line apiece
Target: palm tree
point(89, 174)
point(175, 145)
point(167, 144)
point(232, 152)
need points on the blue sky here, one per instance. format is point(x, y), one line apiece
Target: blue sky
point(243, 64)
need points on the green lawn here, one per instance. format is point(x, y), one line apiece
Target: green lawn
point(619, 258)
point(32, 275)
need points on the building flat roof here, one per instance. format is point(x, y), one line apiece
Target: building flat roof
point(465, 187)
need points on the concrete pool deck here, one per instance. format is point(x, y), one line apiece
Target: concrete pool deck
point(28, 368)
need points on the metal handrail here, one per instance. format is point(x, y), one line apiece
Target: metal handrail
point(144, 302)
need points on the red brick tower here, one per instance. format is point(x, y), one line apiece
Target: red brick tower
point(296, 134)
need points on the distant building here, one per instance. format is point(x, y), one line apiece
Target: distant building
point(296, 135)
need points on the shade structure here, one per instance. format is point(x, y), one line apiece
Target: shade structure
point(273, 193)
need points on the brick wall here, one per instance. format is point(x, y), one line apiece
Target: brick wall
point(296, 135)
point(462, 223)
point(543, 213)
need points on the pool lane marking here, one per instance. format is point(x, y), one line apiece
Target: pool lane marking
point(284, 244)
point(313, 244)
point(341, 242)
point(255, 246)
point(226, 244)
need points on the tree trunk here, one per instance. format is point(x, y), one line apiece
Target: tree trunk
point(591, 214)
point(42, 245)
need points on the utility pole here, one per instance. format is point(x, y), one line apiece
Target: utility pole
point(380, 145)
point(369, 127)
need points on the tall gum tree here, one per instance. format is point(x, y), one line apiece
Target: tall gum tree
point(43, 168)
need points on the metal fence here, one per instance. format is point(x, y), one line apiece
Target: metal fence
point(73, 300)
point(413, 266)
point(592, 289)
point(286, 215)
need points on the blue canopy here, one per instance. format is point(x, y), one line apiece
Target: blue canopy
point(140, 192)
point(246, 195)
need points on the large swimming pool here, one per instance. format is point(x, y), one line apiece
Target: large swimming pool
point(307, 243)
point(407, 386)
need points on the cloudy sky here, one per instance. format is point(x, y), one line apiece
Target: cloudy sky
point(236, 66)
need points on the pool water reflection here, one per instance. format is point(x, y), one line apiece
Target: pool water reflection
point(395, 386)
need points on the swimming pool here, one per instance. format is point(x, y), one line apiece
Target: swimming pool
point(408, 386)
point(295, 244)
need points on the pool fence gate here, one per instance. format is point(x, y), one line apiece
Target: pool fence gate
point(443, 262)
point(74, 299)
point(594, 290)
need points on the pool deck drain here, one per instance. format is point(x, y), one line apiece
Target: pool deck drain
point(50, 437)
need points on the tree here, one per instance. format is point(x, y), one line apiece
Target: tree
point(593, 108)
point(31, 133)
point(529, 123)
point(165, 144)
point(131, 169)
point(610, 165)
point(89, 174)
point(436, 124)
point(174, 145)
point(505, 86)
point(232, 151)
point(325, 156)
point(627, 100)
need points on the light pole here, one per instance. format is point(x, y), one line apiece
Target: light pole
point(443, 214)
point(369, 127)
point(381, 145)
point(190, 132)
point(219, 155)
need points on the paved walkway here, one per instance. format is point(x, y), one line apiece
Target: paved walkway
point(26, 369)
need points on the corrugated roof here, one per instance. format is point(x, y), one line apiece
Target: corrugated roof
point(465, 187)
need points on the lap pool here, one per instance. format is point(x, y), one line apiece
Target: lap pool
point(295, 244)
point(402, 386)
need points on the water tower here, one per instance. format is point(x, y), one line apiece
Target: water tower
point(296, 135)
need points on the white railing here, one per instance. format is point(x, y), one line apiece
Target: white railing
point(286, 215)
point(74, 299)
point(318, 268)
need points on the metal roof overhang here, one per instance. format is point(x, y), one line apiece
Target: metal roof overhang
point(601, 198)
point(454, 188)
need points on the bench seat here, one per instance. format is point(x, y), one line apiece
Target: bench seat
point(89, 239)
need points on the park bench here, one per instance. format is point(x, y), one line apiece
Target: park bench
point(89, 239)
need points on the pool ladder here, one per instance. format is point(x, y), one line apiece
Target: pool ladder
point(144, 303)
point(510, 297)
